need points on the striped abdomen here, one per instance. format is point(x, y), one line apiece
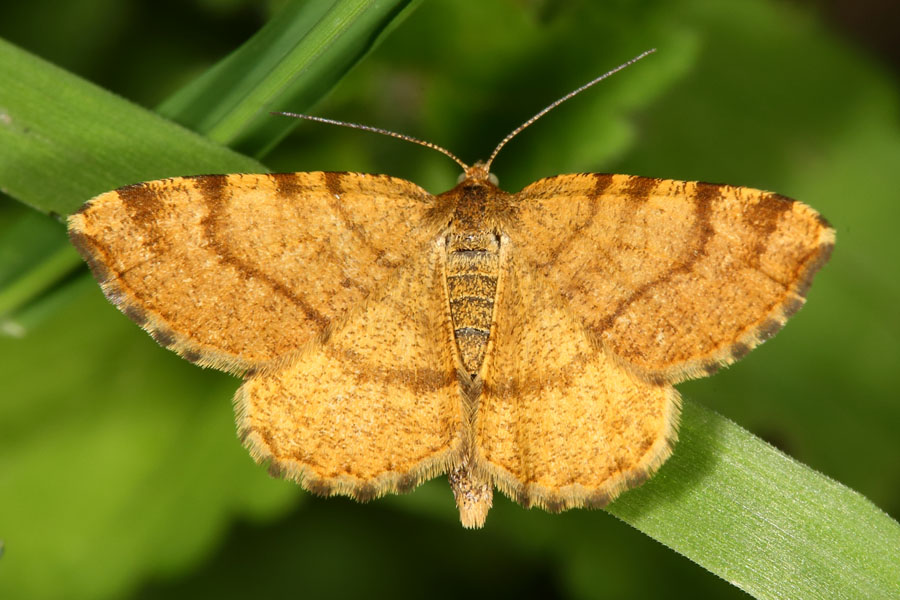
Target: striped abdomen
point(473, 262)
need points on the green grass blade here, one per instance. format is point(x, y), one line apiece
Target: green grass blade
point(24, 235)
point(762, 521)
point(63, 140)
point(288, 65)
point(39, 278)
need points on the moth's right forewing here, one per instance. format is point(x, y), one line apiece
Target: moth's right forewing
point(673, 278)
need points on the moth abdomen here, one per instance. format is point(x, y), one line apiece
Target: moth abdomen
point(473, 264)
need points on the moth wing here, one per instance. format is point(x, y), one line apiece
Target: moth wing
point(231, 271)
point(375, 407)
point(560, 424)
point(673, 278)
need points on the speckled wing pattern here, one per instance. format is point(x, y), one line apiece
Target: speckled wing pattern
point(613, 287)
point(672, 278)
point(231, 271)
point(560, 424)
point(344, 300)
point(374, 407)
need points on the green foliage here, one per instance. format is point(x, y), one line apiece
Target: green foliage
point(292, 62)
point(120, 472)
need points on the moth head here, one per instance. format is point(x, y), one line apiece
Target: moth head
point(478, 172)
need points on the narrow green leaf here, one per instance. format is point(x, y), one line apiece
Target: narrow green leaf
point(34, 256)
point(762, 521)
point(38, 279)
point(63, 140)
point(288, 65)
point(45, 304)
point(24, 235)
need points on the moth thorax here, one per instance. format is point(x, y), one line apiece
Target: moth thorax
point(473, 262)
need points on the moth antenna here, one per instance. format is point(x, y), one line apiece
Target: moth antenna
point(573, 93)
point(394, 134)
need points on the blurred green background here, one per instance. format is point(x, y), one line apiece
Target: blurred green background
point(120, 474)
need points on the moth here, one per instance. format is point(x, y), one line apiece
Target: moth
point(523, 341)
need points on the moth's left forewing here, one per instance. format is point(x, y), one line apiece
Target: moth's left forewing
point(232, 271)
point(672, 278)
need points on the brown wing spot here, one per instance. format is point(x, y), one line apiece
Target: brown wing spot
point(213, 189)
point(597, 500)
point(710, 368)
point(191, 356)
point(601, 182)
point(638, 189)
point(144, 203)
point(739, 351)
point(244, 433)
point(333, 183)
point(521, 496)
point(288, 185)
point(554, 505)
point(791, 307)
point(135, 314)
point(763, 217)
point(266, 435)
point(365, 493)
point(349, 282)
point(406, 484)
point(163, 337)
point(788, 202)
point(84, 207)
point(318, 487)
point(769, 328)
point(636, 478)
point(657, 379)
